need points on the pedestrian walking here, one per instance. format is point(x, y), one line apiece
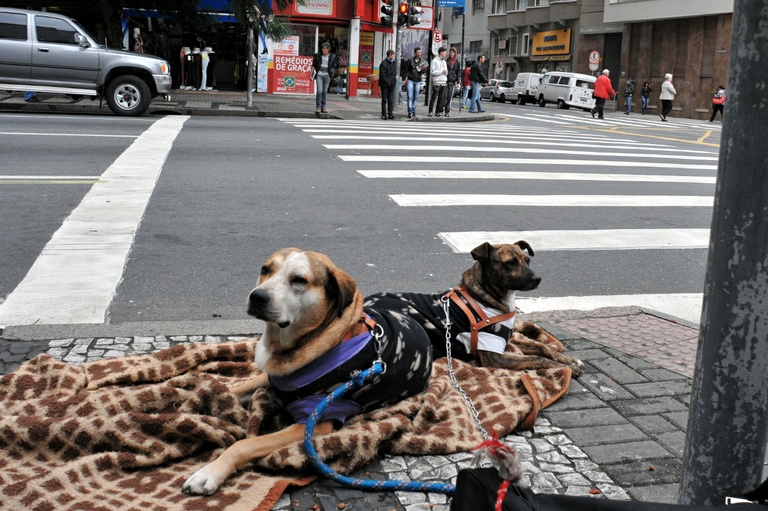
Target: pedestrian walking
point(438, 74)
point(645, 96)
point(718, 103)
point(411, 73)
point(466, 84)
point(452, 81)
point(477, 79)
point(387, 83)
point(667, 96)
point(324, 66)
point(603, 91)
point(629, 91)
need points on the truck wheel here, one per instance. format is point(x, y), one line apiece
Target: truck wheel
point(502, 99)
point(128, 95)
point(542, 103)
point(520, 100)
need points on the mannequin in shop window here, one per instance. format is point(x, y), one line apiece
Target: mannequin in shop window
point(197, 65)
point(138, 41)
point(183, 55)
point(210, 78)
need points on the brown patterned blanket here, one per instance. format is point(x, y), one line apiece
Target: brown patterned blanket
point(125, 433)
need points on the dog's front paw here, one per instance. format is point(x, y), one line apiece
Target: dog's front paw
point(202, 482)
point(577, 367)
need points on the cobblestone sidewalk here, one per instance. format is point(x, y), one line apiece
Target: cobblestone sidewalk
point(620, 430)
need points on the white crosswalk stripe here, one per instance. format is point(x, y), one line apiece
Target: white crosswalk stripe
point(542, 153)
point(594, 239)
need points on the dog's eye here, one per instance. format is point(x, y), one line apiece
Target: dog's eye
point(298, 280)
point(264, 270)
point(512, 262)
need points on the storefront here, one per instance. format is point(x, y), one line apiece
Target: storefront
point(284, 67)
point(551, 50)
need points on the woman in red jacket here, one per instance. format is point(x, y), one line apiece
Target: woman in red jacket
point(603, 90)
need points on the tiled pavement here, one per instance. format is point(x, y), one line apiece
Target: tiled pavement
point(620, 429)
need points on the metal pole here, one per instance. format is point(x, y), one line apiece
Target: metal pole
point(249, 78)
point(728, 423)
point(463, 51)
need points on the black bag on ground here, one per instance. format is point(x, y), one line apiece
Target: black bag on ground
point(476, 490)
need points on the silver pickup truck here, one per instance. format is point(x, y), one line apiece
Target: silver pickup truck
point(46, 52)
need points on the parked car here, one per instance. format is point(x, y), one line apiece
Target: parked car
point(525, 88)
point(51, 53)
point(567, 90)
point(496, 90)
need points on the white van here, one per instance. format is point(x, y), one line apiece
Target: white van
point(525, 88)
point(567, 90)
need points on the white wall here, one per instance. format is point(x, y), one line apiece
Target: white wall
point(627, 11)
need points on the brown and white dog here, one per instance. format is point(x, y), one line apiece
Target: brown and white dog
point(317, 333)
point(482, 313)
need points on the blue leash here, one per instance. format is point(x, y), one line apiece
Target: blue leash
point(358, 380)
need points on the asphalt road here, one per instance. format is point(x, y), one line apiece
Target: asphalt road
point(227, 192)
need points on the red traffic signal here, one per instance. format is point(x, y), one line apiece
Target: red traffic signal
point(402, 16)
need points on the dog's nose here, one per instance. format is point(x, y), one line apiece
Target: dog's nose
point(258, 298)
point(537, 280)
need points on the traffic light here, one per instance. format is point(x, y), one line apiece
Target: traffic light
point(387, 10)
point(414, 13)
point(402, 14)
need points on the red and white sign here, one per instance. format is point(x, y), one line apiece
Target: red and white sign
point(594, 60)
point(437, 37)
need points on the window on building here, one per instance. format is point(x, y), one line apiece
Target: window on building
point(475, 46)
point(526, 44)
point(478, 5)
point(538, 3)
point(499, 6)
point(521, 5)
point(512, 45)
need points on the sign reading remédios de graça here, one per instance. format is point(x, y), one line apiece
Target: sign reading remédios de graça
point(552, 42)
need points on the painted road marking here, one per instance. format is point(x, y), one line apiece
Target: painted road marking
point(539, 176)
point(99, 135)
point(75, 277)
point(680, 305)
point(549, 201)
point(413, 159)
point(484, 149)
point(597, 239)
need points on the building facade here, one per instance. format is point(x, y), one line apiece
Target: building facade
point(688, 38)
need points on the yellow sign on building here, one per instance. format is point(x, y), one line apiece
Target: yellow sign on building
point(552, 42)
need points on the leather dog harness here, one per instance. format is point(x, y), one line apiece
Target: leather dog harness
point(478, 319)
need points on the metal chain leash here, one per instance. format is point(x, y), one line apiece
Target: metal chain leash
point(447, 308)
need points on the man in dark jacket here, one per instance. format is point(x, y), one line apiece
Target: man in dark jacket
point(387, 84)
point(478, 79)
point(411, 72)
point(324, 65)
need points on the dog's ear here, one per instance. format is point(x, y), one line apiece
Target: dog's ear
point(483, 252)
point(524, 245)
point(341, 289)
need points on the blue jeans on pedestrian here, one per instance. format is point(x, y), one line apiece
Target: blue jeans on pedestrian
point(628, 100)
point(322, 82)
point(29, 95)
point(413, 89)
point(644, 100)
point(465, 96)
point(475, 103)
